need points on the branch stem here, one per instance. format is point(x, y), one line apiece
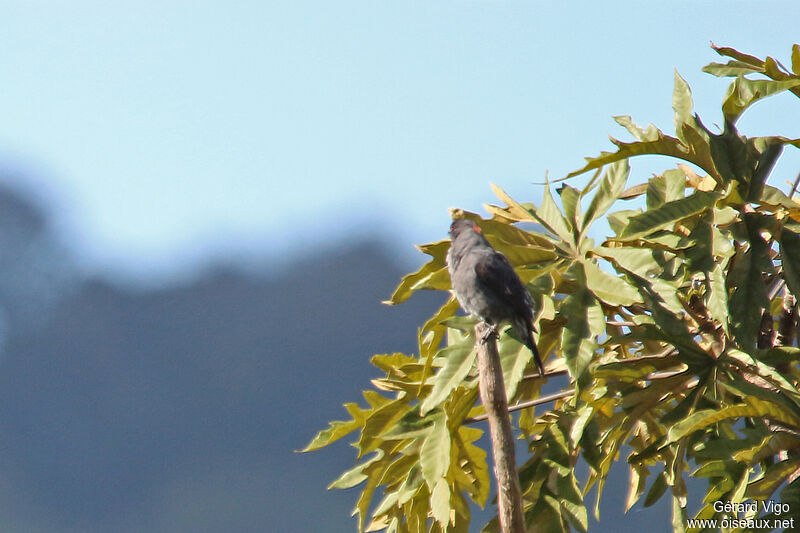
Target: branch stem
point(493, 396)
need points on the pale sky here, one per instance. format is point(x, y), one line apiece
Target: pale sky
point(170, 130)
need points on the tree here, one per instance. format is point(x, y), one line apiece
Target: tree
point(677, 332)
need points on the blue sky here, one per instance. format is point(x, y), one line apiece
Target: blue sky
point(170, 131)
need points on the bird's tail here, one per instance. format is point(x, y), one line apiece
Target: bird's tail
point(531, 344)
point(522, 330)
point(525, 330)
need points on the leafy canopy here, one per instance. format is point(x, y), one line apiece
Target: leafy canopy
point(677, 332)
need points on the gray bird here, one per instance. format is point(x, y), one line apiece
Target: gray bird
point(487, 286)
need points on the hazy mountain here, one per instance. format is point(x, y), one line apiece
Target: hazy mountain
point(179, 409)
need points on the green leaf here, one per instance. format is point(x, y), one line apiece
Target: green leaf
point(747, 455)
point(610, 289)
point(661, 298)
point(788, 392)
point(577, 343)
point(434, 455)
point(635, 368)
point(766, 161)
point(650, 134)
point(718, 468)
point(570, 199)
point(459, 359)
point(619, 219)
point(389, 501)
point(364, 499)
point(668, 214)
point(756, 63)
point(729, 69)
point(678, 516)
point(694, 149)
point(610, 188)
point(430, 337)
point(475, 463)
point(796, 59)
point(661, 145)
point(706, 418)
point(334, 432)
point(576, 513)
point(635, 260)
point(432, 275)
point(749, 294)
point(551, 218)
point(378, 421)
point(774, 197)
point(514, 358)
point(440, 502)
point(338, 429)
point(517, 210)
point(744, 92)
point(411, 425)
point(790, 259)
point(657, 489)
point(681, 104)
point(389, 363)
point(774, 476)
point(700, 256)
point(636, 485)
point(356, 475)
point(526, 255)
point(717, 297)
point(665, 188)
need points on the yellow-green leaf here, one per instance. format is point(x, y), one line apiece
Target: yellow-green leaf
point(744, 92)
point(681, 104)
point(459, 359)
point(717, 297)
point(611, 186)
point(668, 214)
point(334, 432)
point(707, 417)
point(790, 259)
point(609, 288)
point(434, 455)
point(356, 475)
point(440, 502)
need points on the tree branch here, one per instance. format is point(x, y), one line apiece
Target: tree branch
point(547, 374)
point(493, 397)
point(524, 405)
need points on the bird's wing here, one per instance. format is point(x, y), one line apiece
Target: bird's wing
point(497, 274)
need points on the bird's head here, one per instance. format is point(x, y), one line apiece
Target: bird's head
point(462, 225)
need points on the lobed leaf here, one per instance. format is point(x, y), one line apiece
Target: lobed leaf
point(790, 259)
point(611, 186)
point(459, 359)
point(608, 288)
point(681, 104)
point(432, 275)
point(744, 92)
point(751, 408)
point(668, 214)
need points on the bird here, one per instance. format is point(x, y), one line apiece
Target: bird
point(486, 285)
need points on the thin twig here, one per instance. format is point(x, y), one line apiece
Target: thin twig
point(663, 375)
point(547, 374)
point(524, 405)
point(775, 289)
point(620, 323)
point(795, 185)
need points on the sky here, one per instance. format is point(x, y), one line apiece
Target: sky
point(169, 132)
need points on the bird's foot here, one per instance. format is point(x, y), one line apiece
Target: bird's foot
point(488, 331)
